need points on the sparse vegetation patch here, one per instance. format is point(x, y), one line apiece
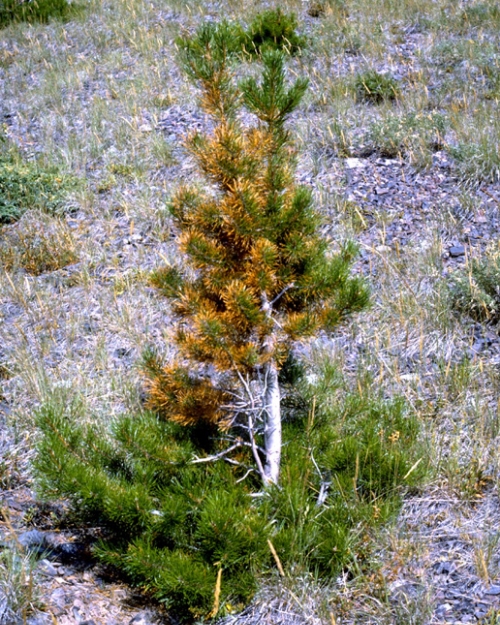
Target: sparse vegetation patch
point(412, 134)
point(475, 290)
point(38, 243)
point(26, 185)
point(372, 86)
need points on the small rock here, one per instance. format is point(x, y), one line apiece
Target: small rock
point(145, 128)
point(71, 552)
point(493, 590)
point(476, 348)
point(443, 608)
point(33, 540)
point(456, 251)
point(78, 617)
point(122, 352)
point(142, 618)
point(481, 612)
point(13, 504)
point(354, 163)
point(47, 568)
point(388, 162)
point(40, 619)
point(444, 568)
point(59, 601)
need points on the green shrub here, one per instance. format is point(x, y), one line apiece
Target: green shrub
point(478, 160)
point(475, 291)
point(273, 30)
point(19, 590)
point(371, 86)
point(269, 30)
point(34, 11)
point(173, 522)
point(255, 273)
point(25, 185)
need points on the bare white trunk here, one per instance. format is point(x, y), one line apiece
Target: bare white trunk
point(272, 426)
point(272, 408)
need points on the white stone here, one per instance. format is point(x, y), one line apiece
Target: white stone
point(354, 163)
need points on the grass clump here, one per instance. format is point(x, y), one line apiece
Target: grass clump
point(39, 11)
point(27, 185)
point(39, 243)
point(478, 160)
point(197, 535)
point(493, 83)
point(19, 593)
point(374, 87)
point(475, 290)
point(413, 134)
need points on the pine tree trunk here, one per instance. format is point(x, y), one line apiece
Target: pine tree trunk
point(271, 403)
point(272, 426)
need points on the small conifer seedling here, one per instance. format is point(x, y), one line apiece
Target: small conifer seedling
point(255, 274)
point(273, 30)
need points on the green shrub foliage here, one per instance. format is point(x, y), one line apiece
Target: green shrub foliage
point(270, 30)
point(34, 11)
point(173, 522)
point(273, 30)
point(25, 185)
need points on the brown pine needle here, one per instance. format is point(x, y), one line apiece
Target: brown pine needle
point(218, 584)
point(276, 558)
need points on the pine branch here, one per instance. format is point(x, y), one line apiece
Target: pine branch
point(218, 456)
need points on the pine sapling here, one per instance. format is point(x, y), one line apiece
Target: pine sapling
point(254, 275)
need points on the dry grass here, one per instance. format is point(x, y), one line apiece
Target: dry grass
point(38, 244)
point(89, 95)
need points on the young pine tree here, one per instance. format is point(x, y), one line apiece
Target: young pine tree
point(254, 273)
